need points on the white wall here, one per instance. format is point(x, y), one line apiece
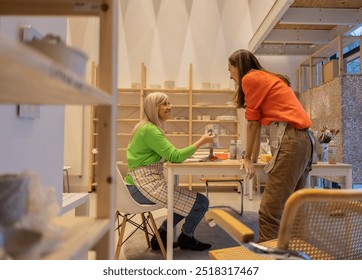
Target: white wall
point(37, 144)
point(287, 65)
point(169, 35)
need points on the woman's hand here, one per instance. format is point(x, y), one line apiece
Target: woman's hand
point(208, 138)
point(249, 168)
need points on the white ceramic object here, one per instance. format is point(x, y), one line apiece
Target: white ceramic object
point(215, 85)
point(203, 103)
point(169, 84)
point(205, 85)
point(226, 118)
point(135, 85)
point(232, 84)
point(69, 57)
point(22, 244)
point(13, 198)
point(205, 117)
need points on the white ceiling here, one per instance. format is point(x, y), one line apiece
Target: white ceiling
point(301, 27)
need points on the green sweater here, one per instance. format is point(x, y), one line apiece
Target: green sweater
point(149, 145)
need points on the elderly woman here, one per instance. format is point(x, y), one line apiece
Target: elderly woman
point(146, 152)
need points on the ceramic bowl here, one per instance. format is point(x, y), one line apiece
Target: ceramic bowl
point(222, 156)
point(22, 244)
point(71, 58)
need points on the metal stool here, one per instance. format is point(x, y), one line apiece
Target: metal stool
point(66, 168)
point(226, 179)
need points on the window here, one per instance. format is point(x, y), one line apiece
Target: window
point(351, 53)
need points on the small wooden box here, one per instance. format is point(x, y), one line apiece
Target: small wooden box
point(330, 70)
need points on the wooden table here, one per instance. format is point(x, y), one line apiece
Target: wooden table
point(232, 168)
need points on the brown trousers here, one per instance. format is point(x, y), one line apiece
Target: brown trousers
point(289, 174)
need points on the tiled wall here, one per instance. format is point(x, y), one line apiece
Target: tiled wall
point(352, 124)
point(338, 104)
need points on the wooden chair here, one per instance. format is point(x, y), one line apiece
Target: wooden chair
point(316, 224)
point(127, 210)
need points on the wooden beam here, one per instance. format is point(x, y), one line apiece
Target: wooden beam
point(300, 36)
point(275, 13)
point(52, 8)
point(321, 16)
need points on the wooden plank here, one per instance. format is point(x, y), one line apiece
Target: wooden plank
point(78, 236)
point(107, 116)
point(45, 81)
point(47, 7)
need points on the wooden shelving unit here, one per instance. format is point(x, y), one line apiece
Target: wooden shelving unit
point(35, 79)
point(311, 70)
point(185, 128)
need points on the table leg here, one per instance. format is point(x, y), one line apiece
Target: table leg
point(349, 178)
point(245, 185)
point(171, 183)
point(308, 182)
point(250, 183)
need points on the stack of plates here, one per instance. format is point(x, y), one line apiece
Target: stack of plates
point(226, 118)
point(203, 103)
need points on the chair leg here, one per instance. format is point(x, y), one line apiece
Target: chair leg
point(241, 197)
point(258, 184)
point(207, 189)
point(158, 237)
point(145, 230)
point(120, 237)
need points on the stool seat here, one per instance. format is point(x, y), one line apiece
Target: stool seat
point(220, 179)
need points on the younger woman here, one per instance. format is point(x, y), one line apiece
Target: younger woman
point(269, 100)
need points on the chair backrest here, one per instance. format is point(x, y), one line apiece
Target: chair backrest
point(325, 224)
point(124, 201)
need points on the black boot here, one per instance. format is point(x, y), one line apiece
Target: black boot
point(191, 243)
point(163, 235)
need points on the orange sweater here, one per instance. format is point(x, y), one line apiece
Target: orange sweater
point(268, 98)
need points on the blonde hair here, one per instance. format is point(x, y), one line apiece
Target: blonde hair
point(151, 105)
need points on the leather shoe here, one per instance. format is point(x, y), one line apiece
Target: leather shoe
point(191, 243)
point(163, 234)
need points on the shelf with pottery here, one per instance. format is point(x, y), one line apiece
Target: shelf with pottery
point(129, 106)
point(36, 73)
point(187, 104)
point(214, 121)
point(212, 106)
point(213, 91)
point(127, 120)
point(168, 91)
point(34, 78)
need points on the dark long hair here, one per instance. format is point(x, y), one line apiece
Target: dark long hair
point(245, 61)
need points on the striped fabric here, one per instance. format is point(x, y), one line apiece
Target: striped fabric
point(151, 182)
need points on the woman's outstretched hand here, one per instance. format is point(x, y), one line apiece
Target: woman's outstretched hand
point(208, 138)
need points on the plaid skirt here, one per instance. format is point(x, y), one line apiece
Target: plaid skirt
point(151, 182)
